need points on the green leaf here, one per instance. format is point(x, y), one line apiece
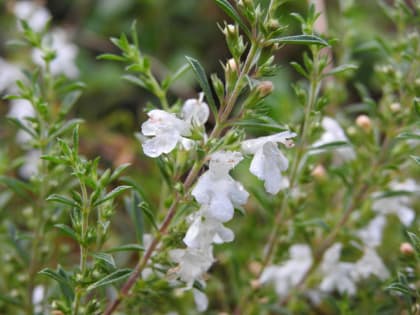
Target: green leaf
point(126, 248)
point(110, 57)
point(135, 80)
point(19, 123)
point(168, 81)
point(61, 277)
point(117, 172)
point(67, 230)
point(68, 125)
point(112, 194)
point(69, 100)
point(149, 214)
point(137, 215)
point(341, 69)
point(409, 135)
point(63, 200)
point(117, 275)
point(330, 146)
point(10, 300)
point(299, 69)
point(105, 258)
point(201, 77)
point(416, 159)
point(234, 15)
point(19, 187)
point(300, 40)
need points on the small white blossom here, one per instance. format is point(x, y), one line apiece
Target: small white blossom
point(290, 273)
point(9, 74)
point(269, 161)
point(400, 204)
point(31, 164)
point(205, 231)
point(337, 275)
point(195, 111)
point(65, 54)
point(34, 14)
point(38, 295)
point(370, 264)
point(371, 235)
point(193, 263)
point(334, 133)
point(165, 130)
point(200, 299)
point(217, 190)
point(22, 109)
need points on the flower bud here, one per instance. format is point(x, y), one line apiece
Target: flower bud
point(254, 267)
point(364, 122)
point(406, 249)
point(265, 88)
point(319, 172)
point(395, 107)
point(255, 284)
point(231, 65)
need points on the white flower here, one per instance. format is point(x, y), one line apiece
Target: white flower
point(205, 231)
point(166, 131)
point(31, 164)
point(193, 263)
point(38, 295)
point(371, 235)
point(289, 274)
point(22, 109)
point(217, 190)
point(195, 111)
point(269, 161)
point(65, 54)
point(201, 300)
point(334, 133)
point(9, 74)
point(337, 275)
point(34, 14)
point(370, 264)
point(400, 204)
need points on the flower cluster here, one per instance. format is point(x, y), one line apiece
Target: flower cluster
point(215, 191)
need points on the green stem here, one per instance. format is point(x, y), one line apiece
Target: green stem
point(83, 246)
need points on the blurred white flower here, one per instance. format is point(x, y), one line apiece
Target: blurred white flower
point(337, 275)
point(217, 190)
point(166, 131)
point(290, 273)
point(22, 109)
point(9, 74)
point(399, 204)
point(200, 299)
point(193, 263)
point(37, 297)
point(34, 14)
point(334, 133)
point(65, 54)
point(370, 264)
point(195, 111)
point(371, 235)
point(205, 231)
point(269, 161)
point(30, 165)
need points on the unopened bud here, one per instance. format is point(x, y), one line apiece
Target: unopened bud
point(265, 88)
point(395, 107)
point(364, 122)
point(255, 284)
point(254, 267)
point(229, 29)
point(231, 65)
point(56, 312)
point(319, 172)
point(406, 249)
point(273, 24)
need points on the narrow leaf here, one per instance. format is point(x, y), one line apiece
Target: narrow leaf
point(105, 258)
point(63, 200)
point(110, 279)
point(330, 146)
point(67, 230)
point(341, 69)
point(19, 187)
point(201, 77)
point(112, 194)
point(300, 40)
point(233, 14)
point(126, 248)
